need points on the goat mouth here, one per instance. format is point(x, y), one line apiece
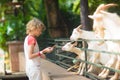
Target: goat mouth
point(63, 49)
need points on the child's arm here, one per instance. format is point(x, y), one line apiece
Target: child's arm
point(40, 53)
point(30, 52)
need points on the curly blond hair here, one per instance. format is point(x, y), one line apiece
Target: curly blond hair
point(33, 24)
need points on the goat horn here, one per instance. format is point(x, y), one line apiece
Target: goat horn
point(109, 5)
point(104, 7)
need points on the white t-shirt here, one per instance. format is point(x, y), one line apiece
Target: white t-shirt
point(34, 63)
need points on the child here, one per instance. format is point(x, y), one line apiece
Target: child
point(33, 56)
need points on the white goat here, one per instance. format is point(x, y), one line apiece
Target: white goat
point(79, 33)
point(107, 26)
point(71, 48)
point(81, 55)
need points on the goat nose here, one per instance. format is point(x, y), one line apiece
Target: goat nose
point(62, 48)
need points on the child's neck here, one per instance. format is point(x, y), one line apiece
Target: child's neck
point(32, 35)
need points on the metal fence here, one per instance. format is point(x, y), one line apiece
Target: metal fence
point(65, 59)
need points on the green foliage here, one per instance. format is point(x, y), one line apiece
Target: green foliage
point(70, 6)
point(14, 26)
point(72, 20)
point(70, 12)
point(93, 4)
point(36, 9)
point(3, 36)
point(11, 29)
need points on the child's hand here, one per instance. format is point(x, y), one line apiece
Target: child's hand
point(43, 56)
point(48, 49)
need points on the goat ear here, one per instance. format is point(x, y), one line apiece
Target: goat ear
point(96, 16)
point(91, 16)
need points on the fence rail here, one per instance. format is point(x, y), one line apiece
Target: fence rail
point(60, 42)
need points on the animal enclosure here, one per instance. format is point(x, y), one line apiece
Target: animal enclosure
point(65, 60)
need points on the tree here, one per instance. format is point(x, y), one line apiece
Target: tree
point(85, 21)
point(56, 25)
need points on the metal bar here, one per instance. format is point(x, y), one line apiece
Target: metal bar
point(98, 65)
point(116, 53)
point(107, 52)
point(85, 49)
point(84, 45)
point(98, 40)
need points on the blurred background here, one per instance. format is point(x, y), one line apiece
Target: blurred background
point(59, 16)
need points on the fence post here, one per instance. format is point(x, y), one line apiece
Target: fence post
point(14, 48)
point(85, 45)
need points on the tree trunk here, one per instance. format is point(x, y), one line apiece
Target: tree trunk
point(56, 26)
point(85, 21)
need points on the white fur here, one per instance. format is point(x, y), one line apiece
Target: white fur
point(81, 55)
point(107, 26)
point(78, 33)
